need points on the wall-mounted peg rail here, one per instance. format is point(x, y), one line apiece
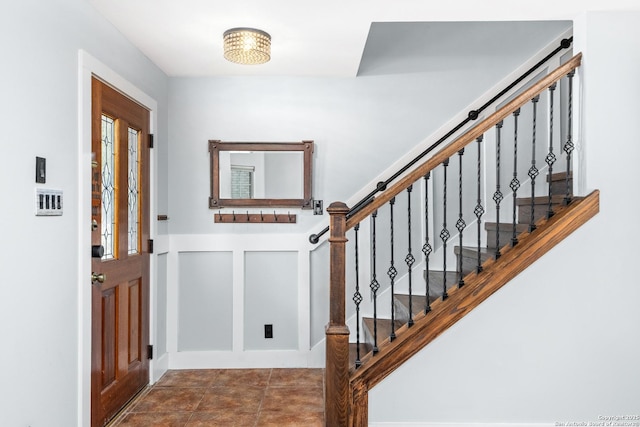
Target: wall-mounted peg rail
point(246, 217)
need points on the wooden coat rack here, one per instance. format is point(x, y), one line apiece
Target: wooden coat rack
point(246, 217)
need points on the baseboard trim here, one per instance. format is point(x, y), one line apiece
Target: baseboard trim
point(432, 424)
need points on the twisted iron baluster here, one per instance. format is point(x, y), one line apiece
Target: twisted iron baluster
point(533, 170)
point(409, 259)
point(568, 146)
point(444, 234)
point(515, 184)
point(460, 224)
point(357, 299)
point(498, 196)
point(426, 248)
point(479, 210)
point(374, 285)
point(392, 273)
point(551, 157)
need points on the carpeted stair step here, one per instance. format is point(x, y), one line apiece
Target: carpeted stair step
point(384, 329)
point(470, 257)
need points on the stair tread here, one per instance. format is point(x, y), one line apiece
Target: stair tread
point(505, 226)
point(435, 281)
point(485, 253)
point(556, 199)
point(418, 302)
point(559, 176)
point(384, 327)
point(364, 349)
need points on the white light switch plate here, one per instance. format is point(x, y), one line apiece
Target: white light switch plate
point(48, 202)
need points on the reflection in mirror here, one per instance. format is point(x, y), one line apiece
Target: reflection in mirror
point(260, 174)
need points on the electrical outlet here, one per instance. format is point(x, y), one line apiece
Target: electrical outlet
point(268, 331)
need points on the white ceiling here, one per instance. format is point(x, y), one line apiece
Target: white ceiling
point(320, 38)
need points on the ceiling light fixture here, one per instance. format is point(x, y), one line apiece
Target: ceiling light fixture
point(247, 46)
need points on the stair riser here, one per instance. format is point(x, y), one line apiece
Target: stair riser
point(402, 311)
point(470, 261)
point(560, 187)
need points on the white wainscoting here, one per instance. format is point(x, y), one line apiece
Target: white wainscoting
point(238, 357)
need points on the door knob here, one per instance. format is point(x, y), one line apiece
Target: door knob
point(98, 277)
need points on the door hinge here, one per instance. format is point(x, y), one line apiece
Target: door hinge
point(149, 351)
point(150, 140)
point(150, 246)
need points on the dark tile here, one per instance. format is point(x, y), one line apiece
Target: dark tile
point(268, 419)
point(170, 399)
point(171, 419)
point(238, 377)
point(293, 400)
point(222, 419)
point(245, 400)
point(296, 378)
point(188, 378)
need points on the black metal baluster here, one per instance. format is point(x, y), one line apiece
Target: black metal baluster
point(374, 285)
point(357, 299)
point(392, 273)
point(568, 146)
point(551, 157)
point(515, 184)
point(444, 234)
point(498, 196)
point(409, 259)
point(479, 210)
point(533, 170)
point(426, 248)
point(460, 224)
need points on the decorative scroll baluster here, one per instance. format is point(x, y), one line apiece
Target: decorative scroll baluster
point(392, 273)
point(515, 184)
point(551, 157)
point(409, 259)
point(460, 224)
point(568, 146)
point(357, 298)
point(533, 170)
point(374, 285)
point(498, 196)
point(444, 234)
point(426, 248)
point(479, 210)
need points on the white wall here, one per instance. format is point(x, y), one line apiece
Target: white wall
point(39, 326)
point(559, 343)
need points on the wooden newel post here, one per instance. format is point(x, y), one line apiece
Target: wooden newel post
point(337, 333)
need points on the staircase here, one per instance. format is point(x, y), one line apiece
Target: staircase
point(468, 259)
point(383, 343)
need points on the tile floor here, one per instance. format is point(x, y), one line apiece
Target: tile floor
point(229, 397)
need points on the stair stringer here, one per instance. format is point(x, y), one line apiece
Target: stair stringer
point(478, 287)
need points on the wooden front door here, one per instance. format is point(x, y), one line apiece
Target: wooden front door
point(120, 257)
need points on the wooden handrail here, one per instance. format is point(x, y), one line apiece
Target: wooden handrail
point(464, 140)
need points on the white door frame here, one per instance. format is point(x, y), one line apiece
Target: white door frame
point(89, 66)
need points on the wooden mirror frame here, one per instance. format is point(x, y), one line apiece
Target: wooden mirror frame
point(215, 146)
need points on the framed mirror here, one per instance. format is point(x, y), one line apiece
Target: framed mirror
point(260, 174)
